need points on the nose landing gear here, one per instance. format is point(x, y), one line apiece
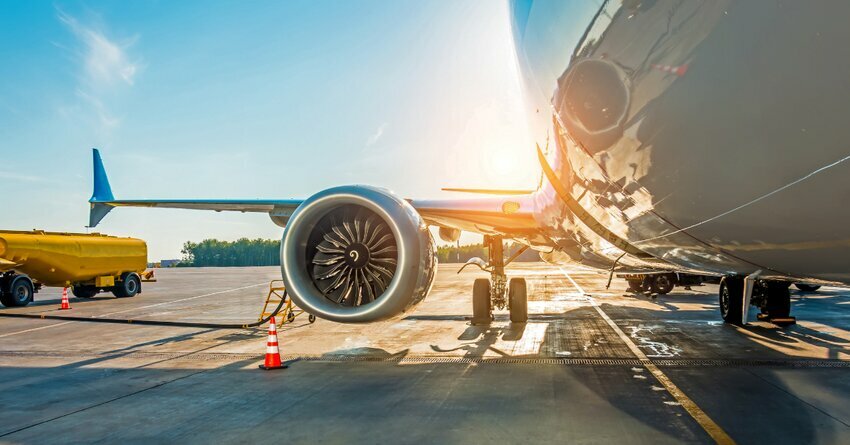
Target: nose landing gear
point(497, 291)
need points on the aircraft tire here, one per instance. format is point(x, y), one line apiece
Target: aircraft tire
point(731, 299)
point(807, 287)
point(481, 313)
point(518, 294)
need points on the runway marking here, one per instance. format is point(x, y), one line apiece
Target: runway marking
point(134, 309)
point(710, 426)
point(579, 288)
point(182, 299)
point(34, 329)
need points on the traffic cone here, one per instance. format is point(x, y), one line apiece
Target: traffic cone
point(272, 351)
point(65, 303)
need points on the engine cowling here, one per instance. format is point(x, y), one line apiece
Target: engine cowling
point(357, 254)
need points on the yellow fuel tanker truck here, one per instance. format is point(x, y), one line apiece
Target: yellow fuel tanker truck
point(88, 263)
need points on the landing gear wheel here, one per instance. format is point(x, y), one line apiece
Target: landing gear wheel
point(807, 287)
point(481, 312)
point(636, 286)
point(778, 300)
point(129, 286)
point(661, 284)
point(311, 318)
point(518, 294)
point(18, 293)
point(731, 299)
point(84, 291)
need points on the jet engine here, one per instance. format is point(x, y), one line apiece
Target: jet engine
point(593, 100)
point(357, 254)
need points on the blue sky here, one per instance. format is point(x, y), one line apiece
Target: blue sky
point(245, 100)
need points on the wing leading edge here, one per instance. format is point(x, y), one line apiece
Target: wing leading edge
point(103, 201)
point(510, 215)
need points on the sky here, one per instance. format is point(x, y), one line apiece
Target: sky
point(226, 99)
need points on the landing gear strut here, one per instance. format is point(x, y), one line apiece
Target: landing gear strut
point(772, 297)
point(497, 291)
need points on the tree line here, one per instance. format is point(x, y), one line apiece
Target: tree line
point(242, 252)
point(461, 254)
point(264, 252)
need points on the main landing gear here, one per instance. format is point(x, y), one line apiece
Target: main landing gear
point(772, 297)
point(498, 291)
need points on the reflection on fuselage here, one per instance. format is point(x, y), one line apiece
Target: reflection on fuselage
point(683, 129)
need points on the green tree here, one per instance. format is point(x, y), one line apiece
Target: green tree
point(242, 252)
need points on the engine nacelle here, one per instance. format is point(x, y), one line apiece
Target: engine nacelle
point(357, 254)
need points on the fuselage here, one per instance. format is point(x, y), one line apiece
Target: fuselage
point(706, 136)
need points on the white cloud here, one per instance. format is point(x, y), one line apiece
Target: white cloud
point(106, 62)
point(107, 120)
point(19, 177)
point(377, 135)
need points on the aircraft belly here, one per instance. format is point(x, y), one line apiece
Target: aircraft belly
point(730, 155)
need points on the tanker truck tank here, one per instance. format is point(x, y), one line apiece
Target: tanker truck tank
point(89, 263)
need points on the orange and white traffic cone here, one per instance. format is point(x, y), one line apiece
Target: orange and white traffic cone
point(65, 303)
point(272, 351)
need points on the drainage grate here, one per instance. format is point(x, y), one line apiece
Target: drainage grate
point(427, 359)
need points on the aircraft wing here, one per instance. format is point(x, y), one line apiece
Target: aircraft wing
point(509, 214)
point(102, 200)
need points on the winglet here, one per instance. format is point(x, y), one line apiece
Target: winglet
point(102, 197)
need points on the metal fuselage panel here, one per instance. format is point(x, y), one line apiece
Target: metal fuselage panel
point(710, 135)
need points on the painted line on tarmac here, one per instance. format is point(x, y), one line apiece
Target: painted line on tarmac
point(35, 329)
point(710, 426)
point(182, 299)
point(579, 288)
point(134, 309)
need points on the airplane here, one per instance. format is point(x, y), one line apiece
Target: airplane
point(694, 137)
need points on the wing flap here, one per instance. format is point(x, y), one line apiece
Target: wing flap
point(497, 215)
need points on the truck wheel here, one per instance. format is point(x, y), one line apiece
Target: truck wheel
point(129, 286)
point(661, 284)
point(518, 295)
point(84, 291)
point(19, 292)
point(481, 301)
point(731, 299)
point(636, 285)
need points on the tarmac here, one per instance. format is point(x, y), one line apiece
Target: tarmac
point(592, 365)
